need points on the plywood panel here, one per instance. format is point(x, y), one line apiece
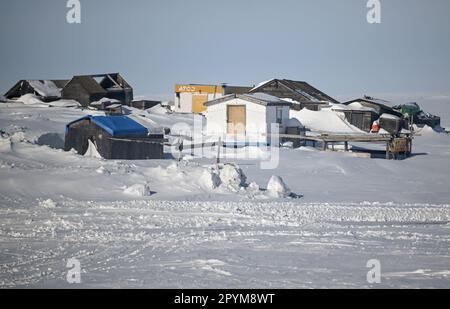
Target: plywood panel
point(236, 119)
point(198, 103)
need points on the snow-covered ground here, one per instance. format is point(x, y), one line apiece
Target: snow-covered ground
point(190, 224)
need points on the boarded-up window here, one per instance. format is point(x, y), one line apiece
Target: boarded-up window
point(198, 103)
point(236, 119)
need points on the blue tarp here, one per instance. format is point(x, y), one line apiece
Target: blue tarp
point(116, 126)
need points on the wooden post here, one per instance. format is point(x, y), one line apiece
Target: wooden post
point(388, 156)
point(410, 139)
point(325, 146)
point(346, 146)
point(219, 145)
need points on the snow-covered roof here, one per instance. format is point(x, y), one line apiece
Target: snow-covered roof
point(356, 106)
point(324, 121)
point(258, 98)
point(262, 84)
point(264, 97)
point(299, 90)
point(45, 88)
point(105, 100)
point(368, 99)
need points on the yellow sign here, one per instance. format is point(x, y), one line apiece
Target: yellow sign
point(199, 88)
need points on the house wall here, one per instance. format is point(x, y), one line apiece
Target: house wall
point(271, 116)
point(125, 96)
point(74, 91)
point(184, 100)
point(184, 95)
point(256, 121)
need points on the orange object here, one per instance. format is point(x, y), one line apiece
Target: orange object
point(375, 127)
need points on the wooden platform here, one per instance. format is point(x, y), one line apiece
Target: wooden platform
point(394, 145)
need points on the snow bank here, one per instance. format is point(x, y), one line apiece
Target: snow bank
point(64, 103)
point(210, 180)
point(324, 121)
point(427, 130)
point(105, 100)
point(49, 204)
point(92, 151)
point(232, 176)
point(158, 110)
point(359, 106)
point(138, 190)
point(29, 99)
point(277, 188)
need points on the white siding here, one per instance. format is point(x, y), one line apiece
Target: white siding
point(256, 127)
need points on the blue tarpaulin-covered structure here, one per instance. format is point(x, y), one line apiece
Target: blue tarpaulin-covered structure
point(115, 137)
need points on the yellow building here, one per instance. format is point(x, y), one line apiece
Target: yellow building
point(191, 98)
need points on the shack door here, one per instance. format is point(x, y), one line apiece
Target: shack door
point(198, 103)
point(236, 119)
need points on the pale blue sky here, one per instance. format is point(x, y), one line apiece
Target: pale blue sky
point(157, 43)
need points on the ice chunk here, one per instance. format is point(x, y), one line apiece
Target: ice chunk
point(138, 190)
point(231, 175)
point(209, 180)
point(49, 203)
point(277, 188)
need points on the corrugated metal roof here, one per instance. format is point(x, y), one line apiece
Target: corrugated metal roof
point(300, 89)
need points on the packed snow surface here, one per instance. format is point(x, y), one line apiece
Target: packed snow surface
point(197, 224)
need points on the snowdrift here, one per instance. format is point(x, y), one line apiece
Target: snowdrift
point(31, 99)
point(324, 121)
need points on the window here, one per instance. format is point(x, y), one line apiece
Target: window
point(279, 115)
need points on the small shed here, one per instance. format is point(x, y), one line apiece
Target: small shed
point(247, 118)
point(115, 137)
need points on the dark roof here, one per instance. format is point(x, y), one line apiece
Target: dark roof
point(45, 88)
point(113, 81)
point(60, 83)
point(301, 89)
point(88, 83)
point(258, 98)
point(116, 126)
point(380, 105)
point(236, 89)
